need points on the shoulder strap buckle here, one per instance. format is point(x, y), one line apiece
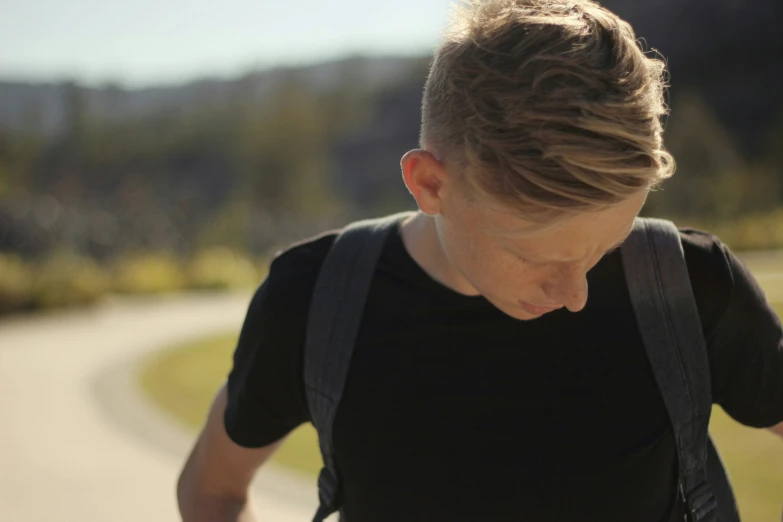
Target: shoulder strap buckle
point(700, 503)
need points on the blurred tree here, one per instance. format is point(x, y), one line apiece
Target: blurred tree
point(282, 151)
point(291, 151)
point(773, 151)
point(713, 179)
point(18, 156)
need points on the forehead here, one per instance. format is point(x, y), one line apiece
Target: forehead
point(572, 238)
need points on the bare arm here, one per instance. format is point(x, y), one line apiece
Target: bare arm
point(214, 484)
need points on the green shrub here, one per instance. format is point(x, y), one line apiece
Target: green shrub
point(762, 231)
point(149, 273)
point(262, 265)
point(16, 280)
point(67, 279)
point(221, 268)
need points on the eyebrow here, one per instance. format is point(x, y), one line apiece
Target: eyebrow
point(609, 251)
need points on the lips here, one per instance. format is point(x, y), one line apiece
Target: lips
point(535, 309)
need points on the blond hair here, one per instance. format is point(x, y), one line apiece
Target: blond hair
point(550, 106)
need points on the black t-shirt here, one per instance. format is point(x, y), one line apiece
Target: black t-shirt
point(454, 411)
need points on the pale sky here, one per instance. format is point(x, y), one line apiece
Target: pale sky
point(146, 42)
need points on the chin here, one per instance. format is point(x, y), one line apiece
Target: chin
point(526, 316)
point(515, 311)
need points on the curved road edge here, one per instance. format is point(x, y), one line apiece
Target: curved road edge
point(80, 442)
point(118, 394)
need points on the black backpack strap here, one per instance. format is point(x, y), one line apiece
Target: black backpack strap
point(333, 323)
point(668, 320)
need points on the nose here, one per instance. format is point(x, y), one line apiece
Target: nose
point(569, 287)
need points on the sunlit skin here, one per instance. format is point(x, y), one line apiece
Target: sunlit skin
point(476, 247)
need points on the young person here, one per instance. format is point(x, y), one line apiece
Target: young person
point(485, 384)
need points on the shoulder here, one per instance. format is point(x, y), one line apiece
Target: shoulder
point(297, 265)
point(283, 297)
point(744, 334)
point(711, 271)
point(266, 397)
point(707, 256)
point(307, 253)
point(720, 279)
point(701, 246)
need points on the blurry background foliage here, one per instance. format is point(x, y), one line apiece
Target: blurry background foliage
point(109, 189)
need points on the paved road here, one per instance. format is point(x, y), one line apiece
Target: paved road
point(79, 444)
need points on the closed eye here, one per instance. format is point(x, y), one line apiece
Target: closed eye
point(541, 262)
point(529, 261)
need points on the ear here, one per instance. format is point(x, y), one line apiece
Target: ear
point(425, 176)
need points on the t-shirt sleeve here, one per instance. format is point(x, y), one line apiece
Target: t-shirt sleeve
point(266, 398)
point(746, 352)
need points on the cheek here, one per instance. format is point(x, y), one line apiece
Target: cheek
point(500, 273)
point(515, 276)
point(491, 268)
point(472, 255)
point(469, 254)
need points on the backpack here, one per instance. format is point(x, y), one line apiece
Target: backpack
point(667, 318)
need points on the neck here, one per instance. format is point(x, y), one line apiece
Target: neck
point(420, 237)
